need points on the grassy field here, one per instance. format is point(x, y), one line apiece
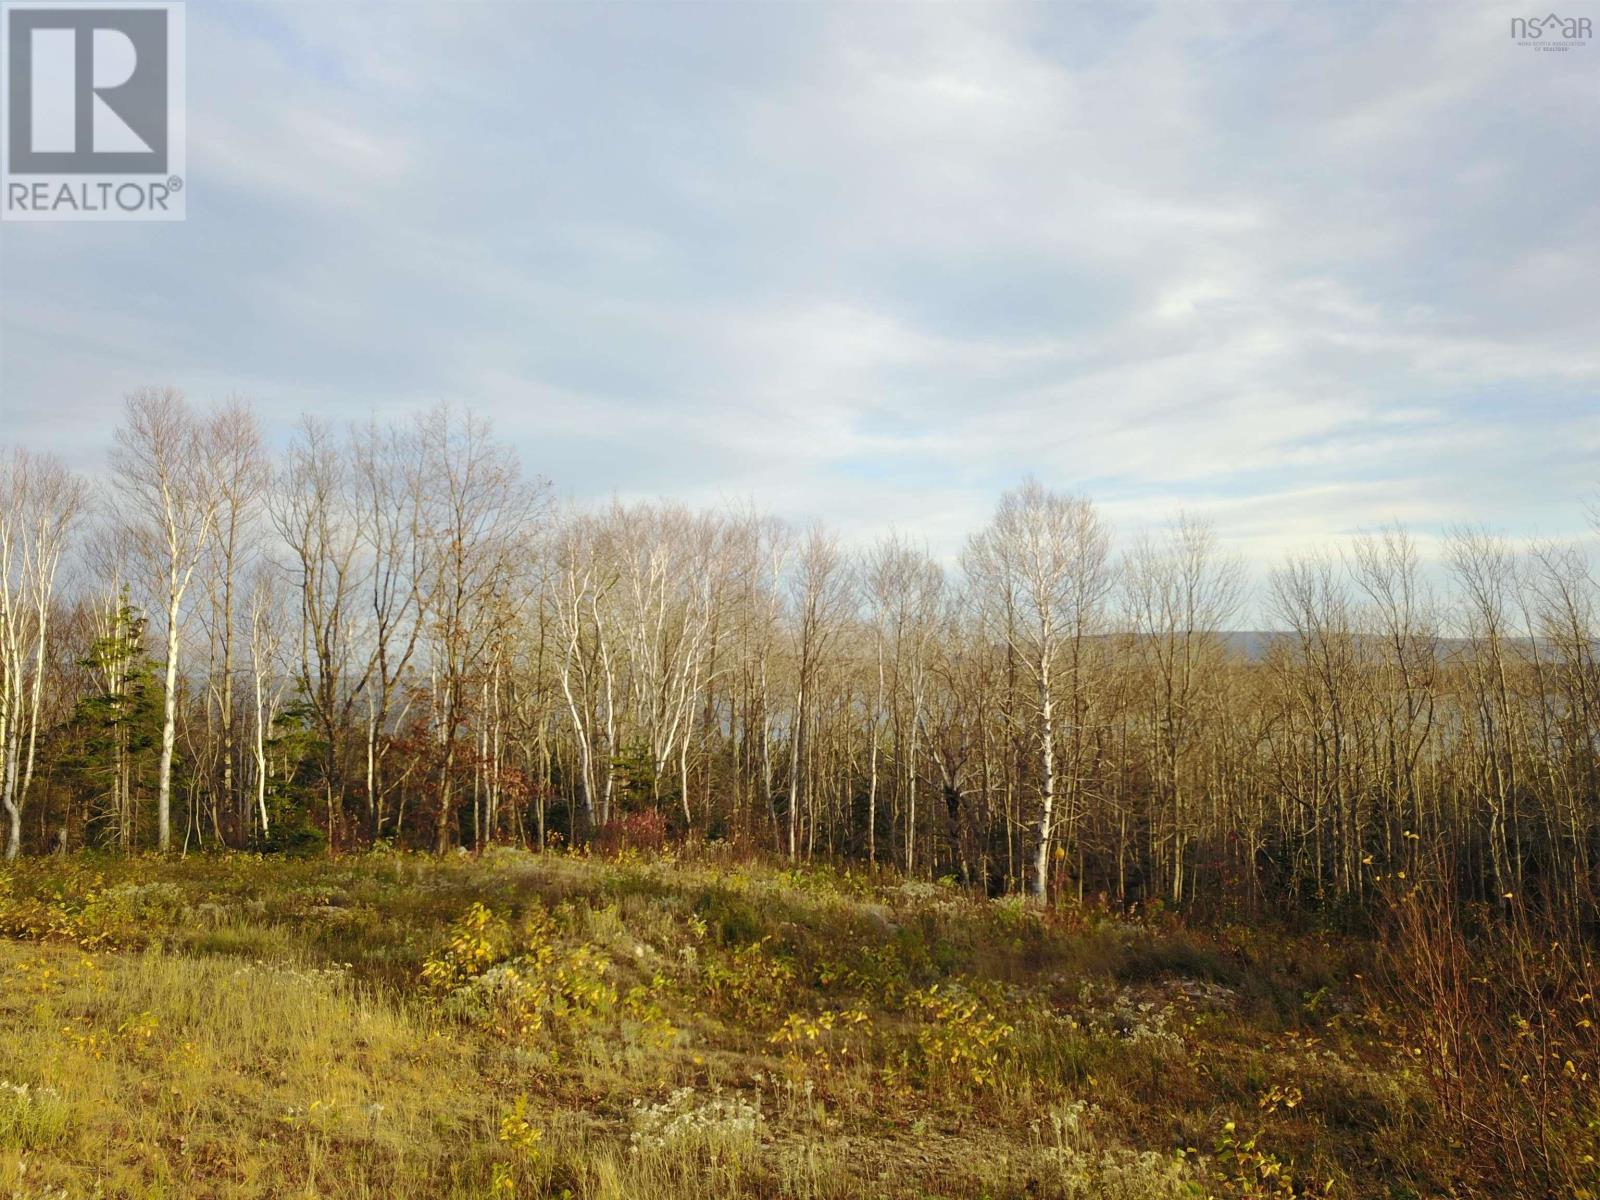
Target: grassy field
point(520, 1025)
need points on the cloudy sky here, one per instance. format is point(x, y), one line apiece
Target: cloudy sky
point(1303, 266)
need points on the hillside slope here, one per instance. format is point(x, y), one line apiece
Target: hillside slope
point(518, 1025)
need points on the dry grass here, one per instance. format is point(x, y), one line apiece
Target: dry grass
point(397, 1026)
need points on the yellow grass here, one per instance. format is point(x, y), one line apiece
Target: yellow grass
point(240, 1027)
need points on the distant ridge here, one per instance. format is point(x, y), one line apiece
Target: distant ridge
point(1253, 645)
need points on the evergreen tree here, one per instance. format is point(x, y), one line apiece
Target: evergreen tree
point(118, 727)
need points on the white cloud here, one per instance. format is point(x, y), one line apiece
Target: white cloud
point(1305, 266)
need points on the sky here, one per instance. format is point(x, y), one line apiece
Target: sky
point(1300, 267)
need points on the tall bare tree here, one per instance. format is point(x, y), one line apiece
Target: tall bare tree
point(1040, 573)
point(479, 517)
point(1180, 593)
point(168, 502)
point(821, 593)
point(40, 500)
point(238, 463)
point(319, 525)
point(389, 489)
point(904, 589)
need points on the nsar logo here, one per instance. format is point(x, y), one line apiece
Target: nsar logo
point(1551, 31)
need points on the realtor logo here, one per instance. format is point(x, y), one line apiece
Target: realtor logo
point(94, 122)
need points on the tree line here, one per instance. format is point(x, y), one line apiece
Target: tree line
point(390, 633)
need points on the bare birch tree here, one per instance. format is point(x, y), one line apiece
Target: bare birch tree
point(40, 500)
point(232, 445)
point(1040, 574)
point(168, 502)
